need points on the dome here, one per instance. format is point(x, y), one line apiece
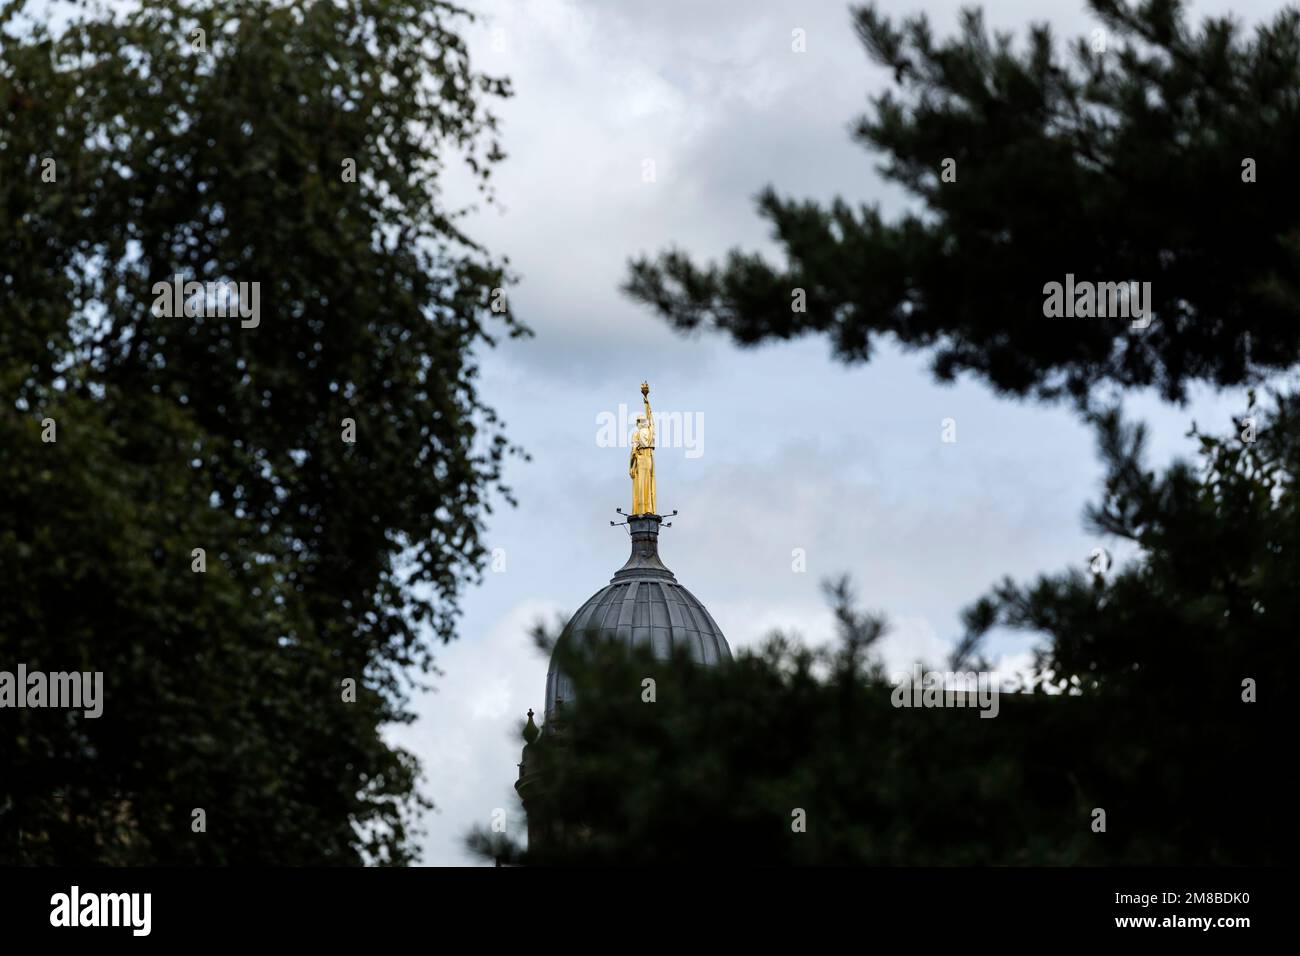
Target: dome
point(642, 605)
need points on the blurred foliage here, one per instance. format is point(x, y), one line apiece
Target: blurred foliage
point(1134, 706)
point(1115, 165)
point(325, 560)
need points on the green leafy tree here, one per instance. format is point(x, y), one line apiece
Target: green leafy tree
point(216, 139)
point(1152, 151)
point(1155, 697)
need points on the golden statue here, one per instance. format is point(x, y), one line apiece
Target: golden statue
point(641, 465)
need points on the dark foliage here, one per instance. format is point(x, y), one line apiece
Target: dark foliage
point(1115, 166)
point(327, 560)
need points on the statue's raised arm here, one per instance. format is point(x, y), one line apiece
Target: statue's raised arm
point(645, 400)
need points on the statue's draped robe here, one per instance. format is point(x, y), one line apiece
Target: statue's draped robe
point(642, 470)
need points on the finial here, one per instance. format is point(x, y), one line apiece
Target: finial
point(531, 732)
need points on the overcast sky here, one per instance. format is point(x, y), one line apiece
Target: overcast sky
point(796, 450)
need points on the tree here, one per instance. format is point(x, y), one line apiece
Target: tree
point(1189, 643)
point(1138, 705)
point(1149, 152)
point(297, 147)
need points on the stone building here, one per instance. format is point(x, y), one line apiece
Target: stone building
point(642, 605)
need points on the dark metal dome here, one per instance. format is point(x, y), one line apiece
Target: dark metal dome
point(642, 605)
